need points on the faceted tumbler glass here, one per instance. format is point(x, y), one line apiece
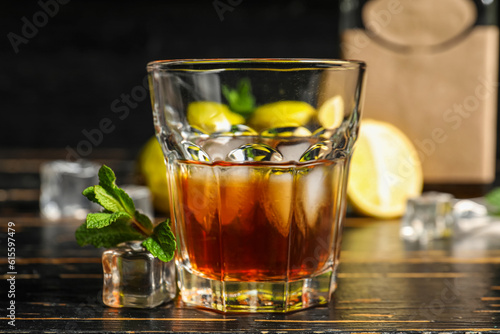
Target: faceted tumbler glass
point(257, 153)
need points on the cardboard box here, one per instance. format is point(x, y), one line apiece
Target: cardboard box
point(432, 72)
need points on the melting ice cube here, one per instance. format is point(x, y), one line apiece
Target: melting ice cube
point(312, 187)
point(238, 197)
point(218, 148)
point(277, 198)
point(292, 150)
point(200, 194)
point(254, 152)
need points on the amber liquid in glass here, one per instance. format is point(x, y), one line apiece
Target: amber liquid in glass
point(258, 222)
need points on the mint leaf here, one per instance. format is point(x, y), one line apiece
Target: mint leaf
point(108, 200)
point(107, 177)
point(100, 220)
point(108, 236)
point(125, 200)
point(493, 198)
point(109, 195)
point(162, 242)
point(90, 194)
point(240, 99)
point(144, 220)
point(120, 222)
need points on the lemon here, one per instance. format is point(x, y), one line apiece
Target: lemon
point(385, 171)
point(331, 112)
point(281, 114)
point(151, 165)
point(212, 116)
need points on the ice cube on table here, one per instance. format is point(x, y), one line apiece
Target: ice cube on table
point(471, 214)
point(133, 277)
point(62, 183)
point(428, 217)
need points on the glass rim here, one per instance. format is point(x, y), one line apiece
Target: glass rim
point(211, 64)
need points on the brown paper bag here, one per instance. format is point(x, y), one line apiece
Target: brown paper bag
point(432, 72)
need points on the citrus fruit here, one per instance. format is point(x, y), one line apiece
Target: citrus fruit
point(212, 116)
point(331, 112)
point(280, 114)
point(385, 171)
point(151, 165)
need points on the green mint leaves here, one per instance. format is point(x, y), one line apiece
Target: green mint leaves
point(161, 243)
point(108, 236)
point(120, 221)
point(493, 199)
point(240, 99)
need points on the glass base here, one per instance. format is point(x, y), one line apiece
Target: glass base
point(274, 296)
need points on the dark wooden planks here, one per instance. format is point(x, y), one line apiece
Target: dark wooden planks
point(384, 286)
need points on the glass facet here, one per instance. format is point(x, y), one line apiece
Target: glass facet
point(133, 277)
point(257, 154)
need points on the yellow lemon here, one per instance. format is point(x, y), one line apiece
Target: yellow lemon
point(280, 114)
point(151, 165)
point(212, 116)
point(385, 171)
point(331, 112)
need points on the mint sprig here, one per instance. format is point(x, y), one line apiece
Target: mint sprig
point(493, 199)
point(240, 100)
point(120, 221)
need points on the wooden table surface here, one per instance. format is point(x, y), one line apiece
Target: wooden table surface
point(384, 284)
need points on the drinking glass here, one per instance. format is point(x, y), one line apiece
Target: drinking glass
point(257, 153)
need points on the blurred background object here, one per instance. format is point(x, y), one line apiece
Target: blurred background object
point(62, 183)
point(433, 73)
point(73, 76)
point(79, 82)
point(73, 79)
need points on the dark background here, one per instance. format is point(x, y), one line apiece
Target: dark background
point(64, 79)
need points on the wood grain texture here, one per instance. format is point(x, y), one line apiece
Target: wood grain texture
point(381, 288)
